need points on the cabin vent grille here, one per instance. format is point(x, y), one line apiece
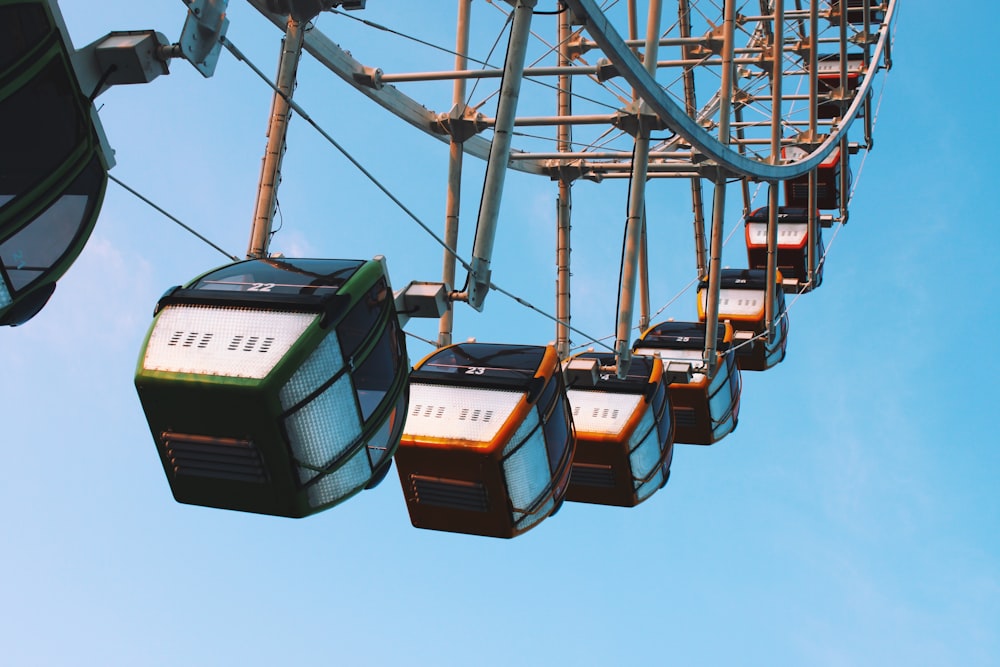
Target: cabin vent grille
point(450, 493)
point(216, 458)
point(685, 417)
point(590, 474)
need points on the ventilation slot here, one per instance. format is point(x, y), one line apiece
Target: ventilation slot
point(216, 458)
point(437, 412)
point(591, 474)
point(604, 413)
point(685, 417)
point(475, 415)
point(451, 493)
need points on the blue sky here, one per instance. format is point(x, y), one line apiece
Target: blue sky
point(851, 519)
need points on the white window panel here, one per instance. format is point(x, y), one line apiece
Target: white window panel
point(227, 342)
point(789, 233)
point(734, 301)
point(458, 413)
point(601, 411)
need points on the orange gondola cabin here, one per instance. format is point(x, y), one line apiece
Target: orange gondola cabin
point(793, 246)
point(741, 302)
point(624, 431)
point(706, 407)
point(488, 440)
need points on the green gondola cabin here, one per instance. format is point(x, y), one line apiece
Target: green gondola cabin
point(276, 386)
point(53, 173)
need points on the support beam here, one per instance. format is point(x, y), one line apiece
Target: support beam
point(564, 204)
point(270, 171)
point(690, 106)
point(455, 154)
point(636, 206)
point(478, 282)
point(719, 196)
point(771, 275)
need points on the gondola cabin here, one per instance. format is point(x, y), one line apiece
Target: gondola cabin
point(53, 169)
point(827, 181)
point(828, 76)
point(624, 432)
point(856, 11)
point(741, 302)
point(706, 408)
point(793, 246)
point(488, 439)
point(276, 386)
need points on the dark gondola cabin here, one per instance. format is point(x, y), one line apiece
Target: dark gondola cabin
point(856, 11)
point(624, 433)
point(488, 439)
point(793, 246)
point(276, 386)
point(706, 408)
point(53, 170)
point(827, 181)
point(741, 302)
point(828, 76)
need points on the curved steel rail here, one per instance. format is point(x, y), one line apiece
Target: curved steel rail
point(646, 87)
point(341, 63)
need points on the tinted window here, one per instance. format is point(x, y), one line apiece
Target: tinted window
point(483, 363)
point(22, 26)
point(46, 129)
point(557, 432)
point(374, 377)
point(680, 336)
point(551, 408)
point(308, 277)
point(32, 251)
point(357, 325)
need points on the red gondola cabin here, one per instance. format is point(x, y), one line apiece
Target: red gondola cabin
point(793, 246)
point(827, 181)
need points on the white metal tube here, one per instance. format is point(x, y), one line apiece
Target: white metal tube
point(776, 132)
point(812, 229)
point(690, 106)
point(453, 200)
point(636, 206)
point(719, 196)
point(478, 283)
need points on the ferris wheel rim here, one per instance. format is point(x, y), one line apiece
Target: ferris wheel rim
point(632, 69)
point(728, 160)
point(345, 66)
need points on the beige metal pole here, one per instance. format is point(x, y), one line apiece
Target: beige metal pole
point(270, 171)
point(453, 200)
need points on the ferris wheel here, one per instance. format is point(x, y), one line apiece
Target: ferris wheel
point(281, 385)
point(740, 93)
